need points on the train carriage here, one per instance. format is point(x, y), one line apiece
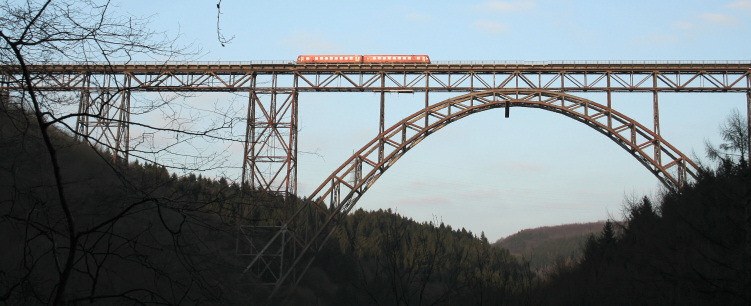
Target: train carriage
point(327, 59)
point(363, 59)
point(387, 59)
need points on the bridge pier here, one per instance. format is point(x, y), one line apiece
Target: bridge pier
point(104, 115)
point(270, 159)
point(269, 166)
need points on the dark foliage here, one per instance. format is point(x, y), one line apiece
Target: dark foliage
point(386, 259)
point(142, 235)
point(148, 236)
point(692, 248)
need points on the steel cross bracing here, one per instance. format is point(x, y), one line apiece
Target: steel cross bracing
point(339, 193)
point(271, 138)
point(569, 77)
point(270, 159)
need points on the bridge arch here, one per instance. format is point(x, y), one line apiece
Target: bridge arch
point(339, 193)
point(353, 178)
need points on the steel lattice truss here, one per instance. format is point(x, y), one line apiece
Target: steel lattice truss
point(339, 193)
point(690, 76)
point(270, 158)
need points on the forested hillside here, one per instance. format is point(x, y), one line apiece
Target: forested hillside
point(145, 235)
point(691, 247)
point(550, 246)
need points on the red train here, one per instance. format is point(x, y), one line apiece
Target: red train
point(363, 59)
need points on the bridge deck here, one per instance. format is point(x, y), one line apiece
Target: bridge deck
point(689, 76)
point(454, 66)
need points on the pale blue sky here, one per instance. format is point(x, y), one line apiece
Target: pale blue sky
point(484, 173)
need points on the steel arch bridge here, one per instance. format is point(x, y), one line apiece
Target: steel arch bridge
point(270, 154)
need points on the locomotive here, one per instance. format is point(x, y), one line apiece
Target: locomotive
point(363, 59)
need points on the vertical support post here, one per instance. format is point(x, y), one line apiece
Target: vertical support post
point(292, 164)
point(249, 146)
point(610, 105)
point(656, 111)
point(82, 129)
point(123, 132)
point(427, 103)
point(381, 120)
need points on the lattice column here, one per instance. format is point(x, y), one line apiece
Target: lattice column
point(270, 161)
point(105, 116)
point(270, 165)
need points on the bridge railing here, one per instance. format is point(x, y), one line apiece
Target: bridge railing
point(596, 62)
point(159, 63)
point(450, 62)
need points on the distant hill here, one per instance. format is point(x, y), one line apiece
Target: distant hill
point(544, 246)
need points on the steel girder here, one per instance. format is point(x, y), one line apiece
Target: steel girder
point(574, 76)
point(339, 193)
